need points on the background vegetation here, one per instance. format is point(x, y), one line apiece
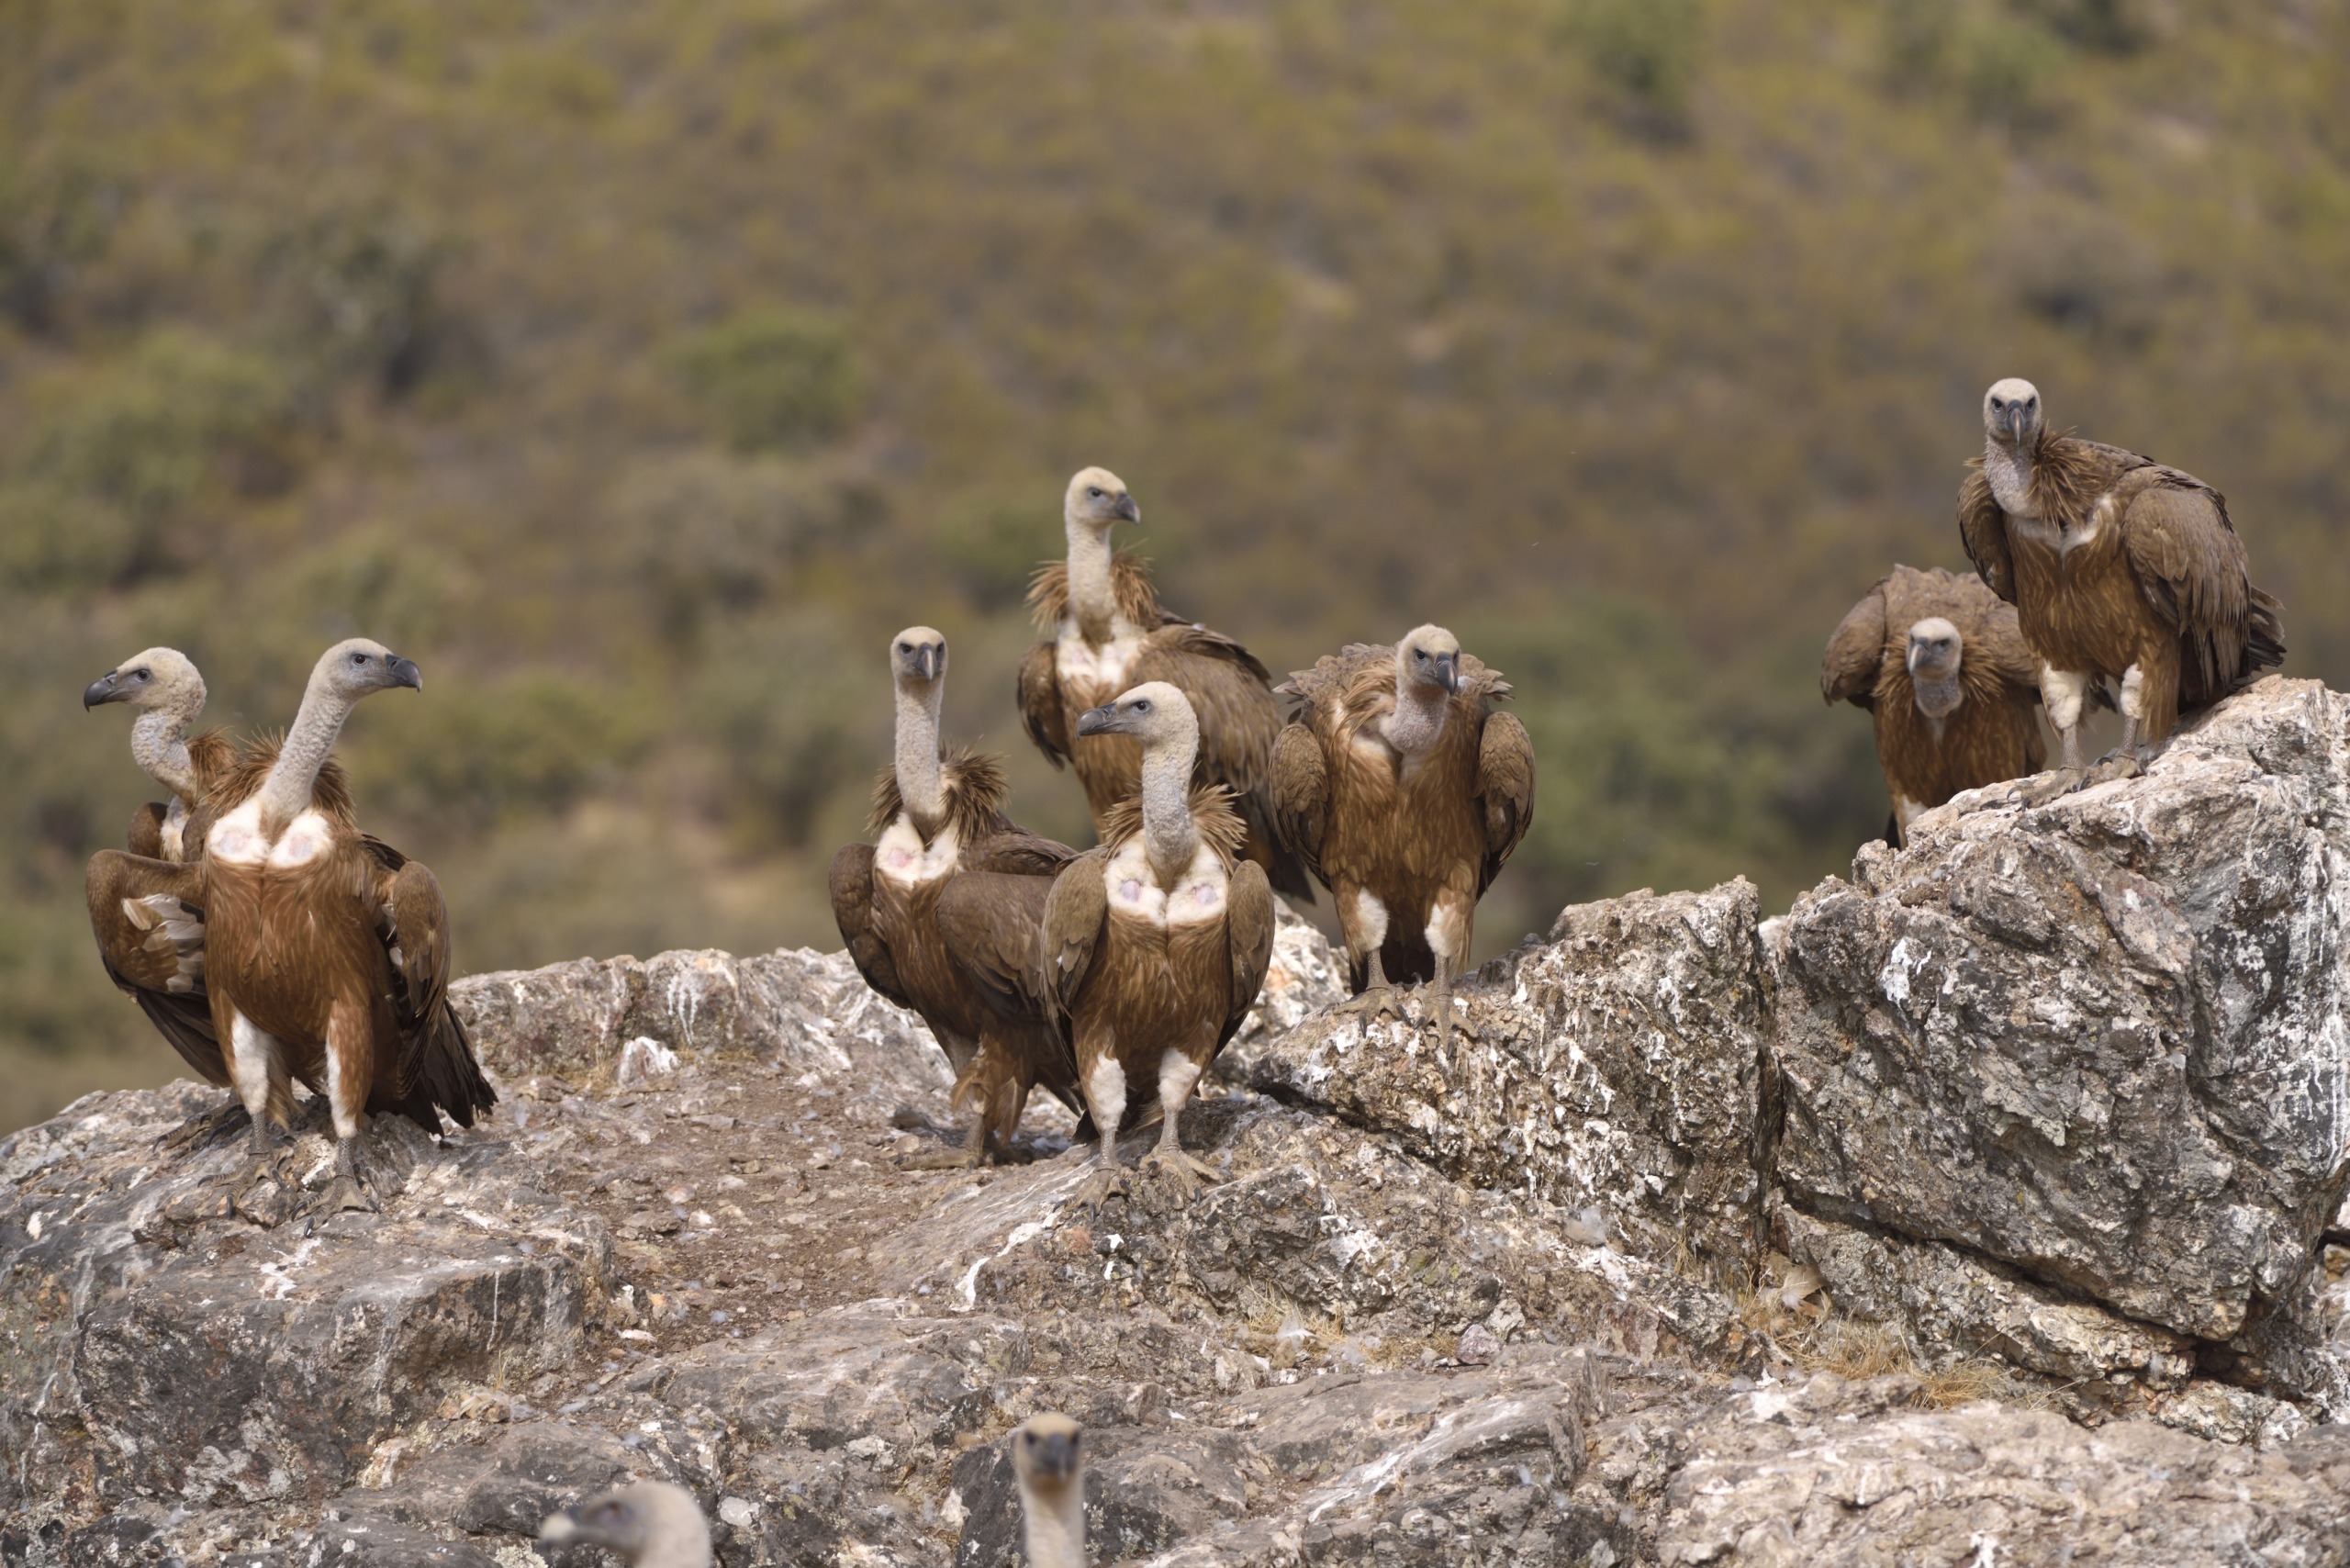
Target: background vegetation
point(639, 367)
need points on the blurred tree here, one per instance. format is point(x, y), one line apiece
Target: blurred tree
point(774, 379)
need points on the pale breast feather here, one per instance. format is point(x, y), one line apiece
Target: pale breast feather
point(1200, 894)
point(309, 837)
point(235, 838)
point(1095, 674)
point(902, 856)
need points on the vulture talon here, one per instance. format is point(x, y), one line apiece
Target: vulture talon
point(1189, 1174)
point(1110, 1180)
point(2042, 788)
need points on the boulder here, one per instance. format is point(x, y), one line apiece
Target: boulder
point(2099, 1041)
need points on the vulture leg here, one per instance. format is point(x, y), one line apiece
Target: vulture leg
point(347, 1037)
point(1105, 1098)
point(1177, 1073)
point(988, 1099)
point(1377, 998)
point(1449, 927)
point(257, 1068)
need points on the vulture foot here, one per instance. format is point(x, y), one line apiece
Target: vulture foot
point(1188, 1174)
point(2042, 788)
point(198, 1131)
point(1378, 1001)
point(967, 1158)
point(2115, 764)
point(355, 1182)
point(1108, 1180)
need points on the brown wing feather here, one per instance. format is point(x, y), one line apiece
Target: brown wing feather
point(1301, 791)
point(148, 918)
point(1982, 529)
point(1506, 784)
point(2194, 571)
point(1040, 704)
point(988, 922)
point(1239, 721)
point(1248, 922)
point(1848, 670)
point(145, 838)
point(1076, 910)
point(437, 1066)
point(852, 889)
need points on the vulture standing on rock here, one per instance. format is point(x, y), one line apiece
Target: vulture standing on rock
point(146, 906)
point(328, 952)
point(1940, 663)
point(940, 914)
point(1155, 943)
point(1108, 634)
point(1406, 793)
point(2119, 569)
point(650, 1524)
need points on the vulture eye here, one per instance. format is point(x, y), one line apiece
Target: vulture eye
point(141, 674)
point(1093, 490)
point(905, 648)
point(359, 658)
point(1143, 706)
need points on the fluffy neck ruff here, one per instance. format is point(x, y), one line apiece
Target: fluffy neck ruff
point(1052, 1522)
point(158, 745)
point(1419, 720)
point(1092, 597)
point(1170, 838)
point(918, 783)
point(285, 793)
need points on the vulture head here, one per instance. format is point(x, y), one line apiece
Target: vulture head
point(1045, 1451)
point(1429, 658)
point(160, 681)
point(1097, 499)
point(918, 656)
point(2011, 415)
point(650, 1524)
point(1933, 659)
point(352, 669)
point(1154, 713)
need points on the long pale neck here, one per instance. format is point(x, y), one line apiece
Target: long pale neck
point(917, 757)
point(1054, 1526)
point(2009, 470)
point(1418, 718)
point(1169, 834)
point(285, 793)
point(158, 745)
point(1090, 597)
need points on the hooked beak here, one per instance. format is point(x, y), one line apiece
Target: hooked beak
point(1054, 1456)
point(1128, 510)
point(560, 1527)
point(929, 661)
point(1097, 721)
point(1448, 672)
point(405, 673)
point(102, 690)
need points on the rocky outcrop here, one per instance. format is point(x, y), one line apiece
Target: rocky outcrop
point(1700, 1243)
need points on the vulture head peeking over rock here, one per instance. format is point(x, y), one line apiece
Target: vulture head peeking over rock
point(650, 1524)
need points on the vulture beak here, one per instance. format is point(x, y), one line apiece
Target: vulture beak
point(1097, 721)
point(405, 673)
point(560, 1527)
point(1128, 510)
point(1448, 672)
point(1053, 1455)
point(928, 661)
point(101, 690)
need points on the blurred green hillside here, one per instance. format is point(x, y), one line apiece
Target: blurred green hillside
point(638, 368)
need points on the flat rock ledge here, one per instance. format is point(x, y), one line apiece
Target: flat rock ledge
point(1980, 1209)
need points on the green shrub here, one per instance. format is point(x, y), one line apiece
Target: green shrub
point(1650, 50)
point(772, 379)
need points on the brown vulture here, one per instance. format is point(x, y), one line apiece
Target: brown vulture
point(146, 910)
point(327, 952)
point(646, 1524)
point(2119, 569)
point(1051, 1473)
point(1940, 663)
point(1406, 792)
point(1156, 941)
point(940, 914)
point(1106, 633)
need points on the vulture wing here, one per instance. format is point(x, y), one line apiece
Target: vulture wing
point(1982, 529)
point(149, 926)
point(1301, 790)
point(1076, 913)
point(1991, 632)
point(988, 921)
point(1013, 851)
point(1040, 704)
point(146, 836)
point(1848, 670)
point(2193, 570)
point(1248, 922)
point(1505, 781)
point(437, 1066)
point(852, 882)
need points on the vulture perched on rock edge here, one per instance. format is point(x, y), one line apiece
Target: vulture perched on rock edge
point(1051, 1471)
point(327, 952)
point(940, 914)
point(1106, 633)
point(1156, 941)
point(2119, 569)
point(146, 906)
point(1406, 792)
point(648, 1524)
point(1940, 663)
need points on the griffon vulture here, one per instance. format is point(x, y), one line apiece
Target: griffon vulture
point(1108, 632)
point(649, 1524)
point(1051, 1473)
point(1406, 792)
point(327, 952)
point(146, 906)
point(941, 913)
point(1940, 663)
point(2119, 569)
point(1156, 941)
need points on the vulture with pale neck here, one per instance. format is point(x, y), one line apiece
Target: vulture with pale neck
point(1155, 944)
point(1941, 664)
point(940, 914)
point(327, 952)
point(1108, 632)
point(147, 906)
point(1406, 792)
point(1051, 1473)
point(2119, 569)
point(648, 1524)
